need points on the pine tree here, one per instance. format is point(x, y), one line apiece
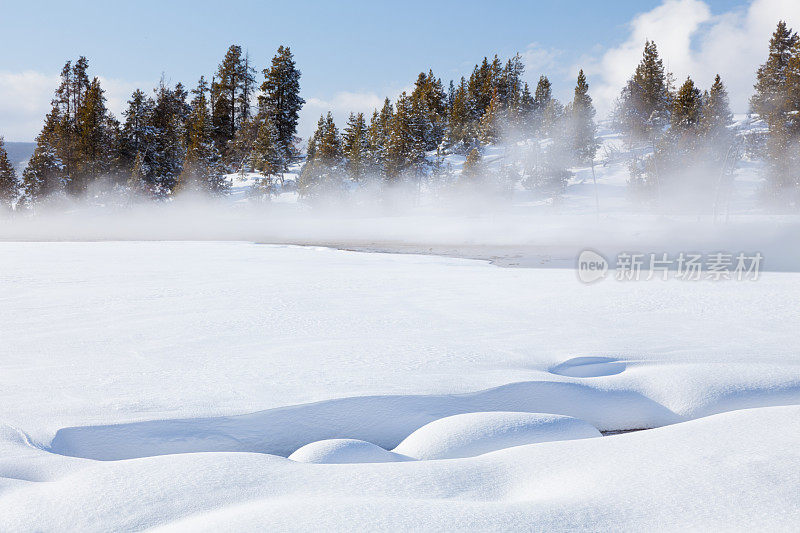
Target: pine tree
point(547, 111)
point(717, 118)
point(229, 104)
point(247, 86)
point(686, 110)
point(490, 124)
point(267, 152)
point(137, 135)
point(405, 154)
point(201, 169)
point(769, 97)
point(378, 138)
point(461, 126)
point(9, 185)
point(643, 106)
point(777, 101)
point(583, 128)
point(281, 98)
point(543, 94)
point(356, 147)
point(520, 113)
point(138, 183)
point(78, 141)
point(323, 171)
point(45, 173)
point(430, 100)
point(170, 114)
point(94, 139)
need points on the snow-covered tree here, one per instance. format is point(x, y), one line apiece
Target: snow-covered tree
point(581, 121)
point(280, 98)
point(9, 184)
point(356, 147)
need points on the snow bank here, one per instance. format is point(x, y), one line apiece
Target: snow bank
point(474, 434)
point(337, 451)
point(736, 470)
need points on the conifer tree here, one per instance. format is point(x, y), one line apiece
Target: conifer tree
point(378, 137)
point(686, 110)
point(45, 173)
point(95, 139)
point(170, 114)
point(461, 130)
point(405, 154)
point(247, 89)
point(281, 98)
point(9, 185)
point(717, 118)
point(201, 169)
point(323, 171)
point(520, 112)
point(137, 135)
point(771, 77)
point(430, 100)
point(776, 101)
point(583, 128)
point(356, 147)
point(543, 94)
point(137, 182)
point(268, 155)
point(77, 143)
point(490, 123)
point(227, 95)
point(547, 111)
point(643, 106)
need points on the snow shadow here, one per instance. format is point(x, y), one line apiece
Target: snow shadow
point(589, 367)
point(382, 420)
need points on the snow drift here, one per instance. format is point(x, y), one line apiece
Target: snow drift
point(472, 434)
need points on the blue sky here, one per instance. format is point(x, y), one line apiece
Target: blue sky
point(351, 53)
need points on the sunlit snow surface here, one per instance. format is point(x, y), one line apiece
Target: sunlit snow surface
point(149, 350)
point(151, 380)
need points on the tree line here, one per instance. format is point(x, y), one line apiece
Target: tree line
point(680, 139)
point(688, 146)
point(408, 139)
point(168, 141)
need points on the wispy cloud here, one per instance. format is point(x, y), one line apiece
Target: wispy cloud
point(693, 41)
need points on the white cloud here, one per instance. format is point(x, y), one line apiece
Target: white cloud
point(693, 41)
point(25, 100)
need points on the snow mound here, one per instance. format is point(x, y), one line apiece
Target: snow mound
point(471, 434)
point(340, 451)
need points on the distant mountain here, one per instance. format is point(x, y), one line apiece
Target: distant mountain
point(19, 153)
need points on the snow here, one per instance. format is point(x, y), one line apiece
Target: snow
point(734, 470)
point(161, 369)
point(121, 358)
point(338, 451)
point(471, 434)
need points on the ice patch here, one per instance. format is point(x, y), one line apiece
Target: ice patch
point(472, 434)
